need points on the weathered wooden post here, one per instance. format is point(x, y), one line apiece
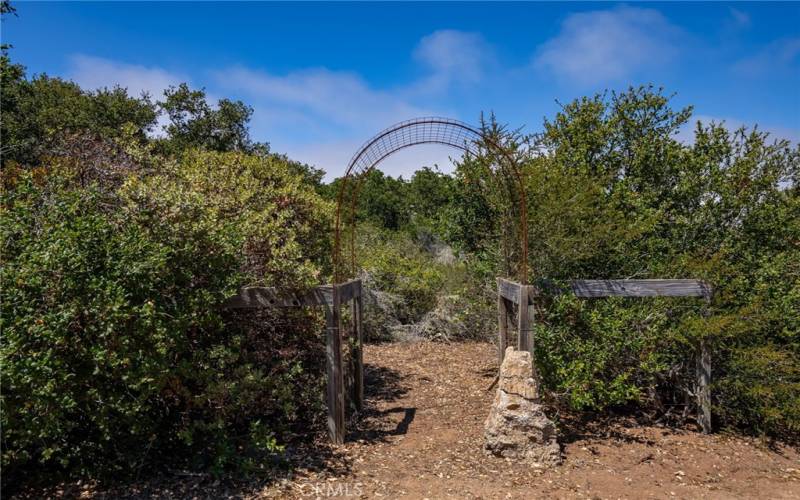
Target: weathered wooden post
point(703, 370)
point(331, 297)
point(703, 374)
point(525, 321)
point(502, 320)
point(358, 349)
point(703, 390)
point(333, 348)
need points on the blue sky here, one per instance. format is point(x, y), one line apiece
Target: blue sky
point(323, 78)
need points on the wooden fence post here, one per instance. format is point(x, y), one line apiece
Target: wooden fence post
point(333, 348)
point(502, 320)
point(703, 390)
point(358, 352)
point(525, 322)
point(703, 371)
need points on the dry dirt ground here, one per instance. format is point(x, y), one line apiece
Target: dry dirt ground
point(421, 435)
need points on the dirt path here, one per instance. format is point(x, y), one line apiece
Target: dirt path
point(421, 436)
point(422, 433)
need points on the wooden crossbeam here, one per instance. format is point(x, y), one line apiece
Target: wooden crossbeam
point(508, 289)
point(640, 288)
point(609, 288)
point(256, 297)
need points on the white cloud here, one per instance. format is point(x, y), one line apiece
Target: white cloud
point(609, 45)
point(320, 116)
point(777, 56)
point(95, 73)
point(453, 56)
point(319, 95)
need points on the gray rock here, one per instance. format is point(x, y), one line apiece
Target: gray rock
point(517, 426)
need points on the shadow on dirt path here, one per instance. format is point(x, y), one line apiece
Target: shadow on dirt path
point(382, 386)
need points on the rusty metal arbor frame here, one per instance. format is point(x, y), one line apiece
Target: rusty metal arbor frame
point(428, 130)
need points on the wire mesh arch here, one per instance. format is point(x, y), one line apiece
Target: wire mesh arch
point(428, 130)
point(417, 131)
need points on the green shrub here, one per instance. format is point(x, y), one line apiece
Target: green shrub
point(398, 265)
point(115, 352)
point(604, 352)
point(613, 194)
point(760, 390)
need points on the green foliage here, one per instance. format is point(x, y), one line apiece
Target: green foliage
point(193, 123)
point(382, 199)
point(397, 204)
point(280, 223)
point(761, 390)
point(428, 192)
point(397, 265)
point(118, 248)
point(602, 354)
point(37, 113)
point(115, 352)
point(616, 195)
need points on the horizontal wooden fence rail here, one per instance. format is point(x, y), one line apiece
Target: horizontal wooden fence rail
point(640, 288)
point(509, 290)
point(332, 298)
point(608, 288)
point(255, 297)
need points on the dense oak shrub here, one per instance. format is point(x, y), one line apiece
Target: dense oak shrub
point(613, 194)
point(116, 354)
point(37, 111)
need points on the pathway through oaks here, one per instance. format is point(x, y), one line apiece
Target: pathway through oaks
point(422, 435)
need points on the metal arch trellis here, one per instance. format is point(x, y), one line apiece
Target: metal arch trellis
point(509, 293)
point(427, 130)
